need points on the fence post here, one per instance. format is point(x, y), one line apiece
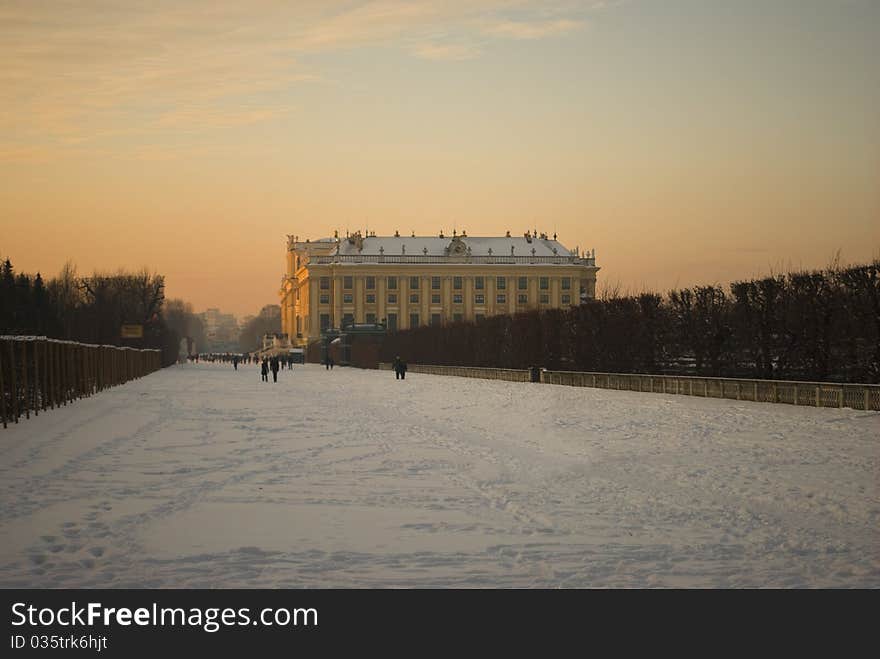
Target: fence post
point(3, 391)
point(817, 395)
point(867, 399)
point(24, 380)
point(36, 379)
point(840, 400)
point(796, 402)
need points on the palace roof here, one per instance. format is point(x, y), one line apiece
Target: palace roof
point(451, 245)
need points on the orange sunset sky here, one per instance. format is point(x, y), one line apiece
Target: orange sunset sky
point(687, 142)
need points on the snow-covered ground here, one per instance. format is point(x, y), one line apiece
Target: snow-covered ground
point(200, 476)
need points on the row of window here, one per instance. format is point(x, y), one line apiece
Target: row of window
point(414, 284)
point(457, 298)
point(392, 320)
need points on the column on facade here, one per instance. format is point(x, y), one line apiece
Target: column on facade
point(490, 295)
point(336, 321)
point(467, 284)
point(512, 294)
point(555, 299)
point(533, 292)
point(425, 299)
point(446, 284)
point(359, 299)
point(381, 298)
point(314, 329)
point(403, 301)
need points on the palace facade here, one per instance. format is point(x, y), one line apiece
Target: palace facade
point(408, 281)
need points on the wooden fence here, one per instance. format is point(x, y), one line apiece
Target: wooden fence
point(38, 373)
point(812, 394)
point(512, 375)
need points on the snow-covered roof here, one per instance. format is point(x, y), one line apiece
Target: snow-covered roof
point(435, 246)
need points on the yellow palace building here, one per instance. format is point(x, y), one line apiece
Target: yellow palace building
point(408, 281)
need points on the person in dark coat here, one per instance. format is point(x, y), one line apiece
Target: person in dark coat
point(395, 365)
point(273, 364)
point(401, 365)
point(235, 362)
point(264, 369)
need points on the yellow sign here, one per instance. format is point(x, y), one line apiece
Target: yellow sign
point(132, 331)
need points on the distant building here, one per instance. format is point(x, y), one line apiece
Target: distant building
point(270, 312)
point(221, 329)
point(405, 282)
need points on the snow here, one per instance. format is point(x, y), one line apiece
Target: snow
point(202, 476)
point(480, 246)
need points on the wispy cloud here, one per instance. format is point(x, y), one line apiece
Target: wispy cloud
point(534, 29)
point(76, 74)
point(446, 52)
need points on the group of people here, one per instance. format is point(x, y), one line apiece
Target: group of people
point(224, 357)
point(399, 367)
point(273, 364)
point(280, 362)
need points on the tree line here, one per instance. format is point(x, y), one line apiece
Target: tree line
point(93, 309)
point(821, 325)
point(251, 337)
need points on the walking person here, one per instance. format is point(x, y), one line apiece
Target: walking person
point(401, 365)
point(274, 365)
point(235, 362)
point(264, 369)
point(396, 366)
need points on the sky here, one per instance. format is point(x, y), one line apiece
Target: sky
point(687, 142)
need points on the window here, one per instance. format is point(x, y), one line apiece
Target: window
point(479, 298)
point(347, 298)
point(325, 321)
point(347, 282)
point(456, 283)
point(435, 298)
point(299, 325)
point(457, 318)
point(325, 283)
point(501, 283)
point(324, 299)
point(501, 298)
point(392, 298)
point(414, 320)
point(392, 322)
point(371, 318)
point(435, 319)
point(522, 298)
point(347, 319)
point(414, 298)
point(545, 299)
point(392, 283)
point(522, 283)
point(435, 283)
point(414, 283)
point(371, 298)
point(371, 283)
point(566, 299)
point(566, 283)
point(479, 283)
point(297, 294)
point(456, 299)
point(544, 283)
